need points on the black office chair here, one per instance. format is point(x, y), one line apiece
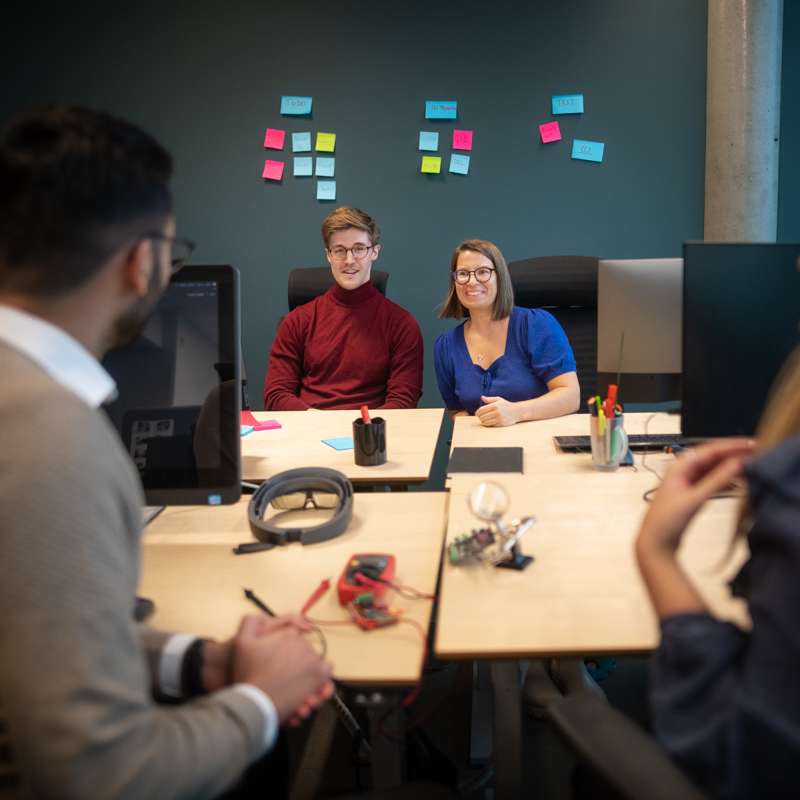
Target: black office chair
point(307, 284)
point(566, 286)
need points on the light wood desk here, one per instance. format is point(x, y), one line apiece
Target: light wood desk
point(411, 436)
point(197, 583)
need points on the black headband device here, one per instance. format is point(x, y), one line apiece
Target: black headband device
point(301, 480)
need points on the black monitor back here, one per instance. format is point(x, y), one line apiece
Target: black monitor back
point(741, 305)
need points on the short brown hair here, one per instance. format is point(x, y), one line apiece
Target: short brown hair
point(503, 303)
point(350, 217)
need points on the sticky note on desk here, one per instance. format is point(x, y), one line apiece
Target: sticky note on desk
point(245, 429)
point(428, 140)
point(325, 167)
point(459, 164)
point(295, 105)
point(441, 109)
point(550, 132)
point(587, 151)
point(274, 139)
point(462, 140)
point(568, 104)
point(273, 170)
point(326, 142)
point(431, 164)
point(248, 420)
point(342, 443)
point(326, 190)
point(303, 165)
point(301, 142)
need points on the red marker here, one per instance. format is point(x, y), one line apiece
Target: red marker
point(611, 401)
point(365, 415)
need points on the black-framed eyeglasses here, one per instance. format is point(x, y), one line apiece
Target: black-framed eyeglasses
point(359, 251)
point(181, 249)
point(482, 274)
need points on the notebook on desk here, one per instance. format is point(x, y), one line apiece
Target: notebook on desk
point(485, 459)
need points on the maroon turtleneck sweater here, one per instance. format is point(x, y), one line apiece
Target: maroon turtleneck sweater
point(345, 349)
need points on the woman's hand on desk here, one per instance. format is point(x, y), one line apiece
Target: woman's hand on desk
point(498, 412)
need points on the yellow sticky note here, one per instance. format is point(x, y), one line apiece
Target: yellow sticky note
point(326, 142)
point(431, 164)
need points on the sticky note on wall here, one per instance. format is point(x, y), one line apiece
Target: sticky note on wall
point(325, 166)
point(428, 140)
point(303, 165)
point(431, 164)
point(550, 132)
point(301, 142)
point(326, 190)
point(587, 151)
point(441, 109)
point(462, 140)
point(274, 139)
point(459, 164)
point(273, 170)
point(295, 105)
point(326, 142)
point(568, 104)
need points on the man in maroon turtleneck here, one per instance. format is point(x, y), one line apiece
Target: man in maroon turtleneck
point(351, 346)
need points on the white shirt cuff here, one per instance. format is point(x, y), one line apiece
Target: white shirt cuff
point(170, 665)
point(270, 713)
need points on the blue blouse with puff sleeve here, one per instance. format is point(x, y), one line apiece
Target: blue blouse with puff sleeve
point(537, 350)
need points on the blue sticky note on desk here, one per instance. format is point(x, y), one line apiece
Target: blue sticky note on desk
point(301, 142)
point(428, 140)
point(325, 167)
point(295, 105)
point(303, 165)
point(441, 109)
point(568, 104)
point(459, 164)
point(326, 190)
point(587, 151)
point(342, 443)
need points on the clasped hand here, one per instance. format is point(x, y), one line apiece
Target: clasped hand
point(497, 412)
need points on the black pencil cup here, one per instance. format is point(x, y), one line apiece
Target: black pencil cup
point(369, 442)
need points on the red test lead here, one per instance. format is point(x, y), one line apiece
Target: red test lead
point(321, 589)
point(365, 415)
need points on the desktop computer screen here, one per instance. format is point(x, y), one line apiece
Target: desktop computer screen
point(178, 409)
point(740, 322)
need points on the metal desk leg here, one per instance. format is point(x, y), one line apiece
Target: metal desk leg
point(507, 730)
point(388, 750)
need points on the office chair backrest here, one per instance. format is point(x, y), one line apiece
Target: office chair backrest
point(307, 284)
point(566, 286)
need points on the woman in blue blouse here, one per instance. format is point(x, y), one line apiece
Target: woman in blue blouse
point(504, 364)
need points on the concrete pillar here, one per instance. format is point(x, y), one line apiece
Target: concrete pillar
point(743, 120)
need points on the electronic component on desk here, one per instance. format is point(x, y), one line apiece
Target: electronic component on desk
point(468, 547)
point(375, 569)
point(370, 612)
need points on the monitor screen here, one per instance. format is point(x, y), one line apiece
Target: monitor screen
point(178, 409)
point(741, 306)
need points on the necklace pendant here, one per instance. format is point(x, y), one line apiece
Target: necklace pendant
point(480, 358)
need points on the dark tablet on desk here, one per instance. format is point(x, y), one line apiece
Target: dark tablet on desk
point(485, 459)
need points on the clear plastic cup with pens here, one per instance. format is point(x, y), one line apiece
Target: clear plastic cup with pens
point(609, 440)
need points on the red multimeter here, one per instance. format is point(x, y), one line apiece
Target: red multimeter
point(365, 573)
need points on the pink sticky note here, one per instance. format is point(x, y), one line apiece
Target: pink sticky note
point(274, 139)
point(550, 132)
point(273, 170)
point(259, 425)
point(462, 140)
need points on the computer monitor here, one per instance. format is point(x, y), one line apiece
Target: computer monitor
point(740, 321)
point(641, 298)
point(178, 410)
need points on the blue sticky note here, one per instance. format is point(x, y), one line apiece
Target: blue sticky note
point(587, 151)
point(326, 190)
point(459, 164)
point(325, 167)
point(342, 443)
point(303, 166)
point(245, 429)
point(295, 105)
point(568, 104)
point(440, 109)
point(301, 142)
point(428, 140)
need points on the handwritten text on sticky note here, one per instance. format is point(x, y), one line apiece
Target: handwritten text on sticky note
point(295, 105)
point(326, 142)
point(587, 151)
point(428, 140)
point(301, 142)
point(431, 164)
point(326, 190)
point(325, 166)
point(459, 164)
point(568, 104)
point(274, 139)
point(441, 109)
point(303, 165)
point(550, 132)
point(273, 170)
point(462, 140)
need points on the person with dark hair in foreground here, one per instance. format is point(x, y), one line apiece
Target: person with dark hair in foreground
point(86, 239)
point(351, 346)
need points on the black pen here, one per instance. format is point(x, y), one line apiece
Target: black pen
point(248, 593)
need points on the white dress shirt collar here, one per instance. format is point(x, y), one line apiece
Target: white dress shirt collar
point(63, 358)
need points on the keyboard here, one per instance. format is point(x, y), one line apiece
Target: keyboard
point(636, 441)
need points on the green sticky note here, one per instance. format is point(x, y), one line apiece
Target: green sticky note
point(326, 142)
point(431, 164)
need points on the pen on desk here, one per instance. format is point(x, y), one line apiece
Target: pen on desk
point(365, 415)
point(248, 593)
point(592, 406)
